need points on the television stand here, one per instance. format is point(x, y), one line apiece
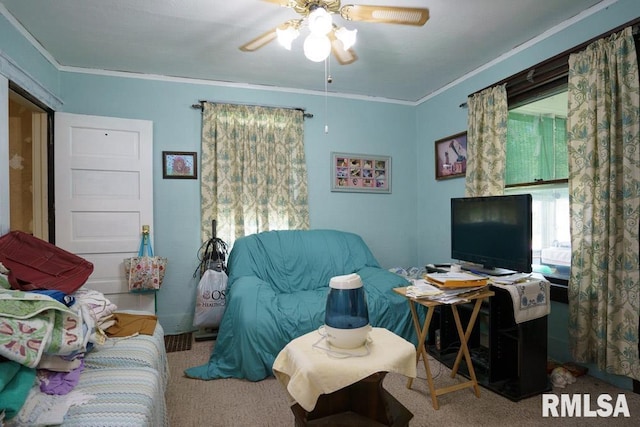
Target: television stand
point(474, 268)
point(508, 358)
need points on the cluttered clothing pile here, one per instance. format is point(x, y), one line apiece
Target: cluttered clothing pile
point(55, 342)
point(44, 337)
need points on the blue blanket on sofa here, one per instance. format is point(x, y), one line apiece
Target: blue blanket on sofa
point(277, 290)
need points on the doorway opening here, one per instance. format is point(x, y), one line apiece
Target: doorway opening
point(30, 169)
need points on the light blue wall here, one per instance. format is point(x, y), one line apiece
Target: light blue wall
point(385, 221)
point(408, 227)
point(19, 52)
point(441, 116)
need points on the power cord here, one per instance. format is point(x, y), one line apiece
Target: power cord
point(439, 364)
point(338, 353)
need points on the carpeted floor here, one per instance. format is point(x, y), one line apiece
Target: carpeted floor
point(180, 342)
point(232, 402)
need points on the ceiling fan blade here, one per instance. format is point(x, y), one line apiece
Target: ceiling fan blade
point(259, 41)
point(283, 3)
point(344, 57)
point(269, 36)
point(385, 14)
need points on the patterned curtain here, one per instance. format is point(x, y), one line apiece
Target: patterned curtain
point(603, 127)
point(254, 175)
point(487, 142)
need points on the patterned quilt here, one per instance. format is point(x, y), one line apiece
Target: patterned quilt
point(123, 384)
point(33, 324)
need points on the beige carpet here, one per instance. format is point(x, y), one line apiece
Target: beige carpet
point(233, 402)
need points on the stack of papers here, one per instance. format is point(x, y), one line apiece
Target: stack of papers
point(511, 279)
point(455, 280)
point(422, 289)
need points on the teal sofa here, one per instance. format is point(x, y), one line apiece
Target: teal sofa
point(277, 290)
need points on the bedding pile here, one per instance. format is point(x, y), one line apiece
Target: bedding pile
point(44, 336)
point(61, 365)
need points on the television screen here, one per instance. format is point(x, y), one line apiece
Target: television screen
point(493, 232)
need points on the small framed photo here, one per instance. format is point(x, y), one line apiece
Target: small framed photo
point(451, 156)
point(360, 173)
point(179, 165)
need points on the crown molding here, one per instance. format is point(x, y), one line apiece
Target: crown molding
point(22, 78)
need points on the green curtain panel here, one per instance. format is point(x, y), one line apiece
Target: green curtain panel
point(486, 142)
point(254, 174)
point(536, 148)
point(604, 190)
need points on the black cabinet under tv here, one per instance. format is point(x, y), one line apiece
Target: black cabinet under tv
point(508, 358)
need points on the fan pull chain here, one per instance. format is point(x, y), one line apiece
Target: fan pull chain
point(327, 80)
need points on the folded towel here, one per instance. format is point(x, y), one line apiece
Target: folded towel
point(307, 371)
point(530, 299)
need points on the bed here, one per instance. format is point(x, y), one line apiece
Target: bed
point(123, 381)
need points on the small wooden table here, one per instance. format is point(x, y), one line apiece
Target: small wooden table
point(422, 331)
point(332, 391)
point(362, 404)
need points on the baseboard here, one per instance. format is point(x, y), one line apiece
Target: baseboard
point(206, 334)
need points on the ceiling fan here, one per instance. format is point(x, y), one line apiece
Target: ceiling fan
point(326, 37)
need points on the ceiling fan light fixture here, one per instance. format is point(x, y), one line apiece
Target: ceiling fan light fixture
point(287, 36)
point(317, 16)
point(320, 21)
point(317, 47)
point(347, 37)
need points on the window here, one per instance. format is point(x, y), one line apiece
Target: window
point(537, 167)
point(537, 164)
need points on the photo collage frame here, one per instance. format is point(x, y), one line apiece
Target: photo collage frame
point(360, 173)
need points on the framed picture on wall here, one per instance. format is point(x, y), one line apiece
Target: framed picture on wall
point(360, 173)
point(451, 156)
point(179, 165)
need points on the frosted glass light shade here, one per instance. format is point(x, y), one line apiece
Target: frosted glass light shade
point(316, 47)
point(347, 37)
point(320, 21)
point(287, 36)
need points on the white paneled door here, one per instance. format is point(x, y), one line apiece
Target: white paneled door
point(103, 197)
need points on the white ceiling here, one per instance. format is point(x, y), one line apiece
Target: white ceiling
point(199, 39)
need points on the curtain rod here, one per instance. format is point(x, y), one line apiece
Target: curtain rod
point(199, 106)
point(635, 30)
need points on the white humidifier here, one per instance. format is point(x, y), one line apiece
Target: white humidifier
point(346, 315)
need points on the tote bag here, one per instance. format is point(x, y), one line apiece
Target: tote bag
point(146, 271)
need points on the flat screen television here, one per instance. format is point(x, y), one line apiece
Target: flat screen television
point(493, 233)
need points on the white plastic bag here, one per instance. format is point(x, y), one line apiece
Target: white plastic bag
point(210, 299)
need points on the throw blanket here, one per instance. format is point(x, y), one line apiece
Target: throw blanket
point(32, 324)
point(15, 382)
point(277, 291)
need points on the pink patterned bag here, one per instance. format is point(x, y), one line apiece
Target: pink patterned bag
point(145, 272)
